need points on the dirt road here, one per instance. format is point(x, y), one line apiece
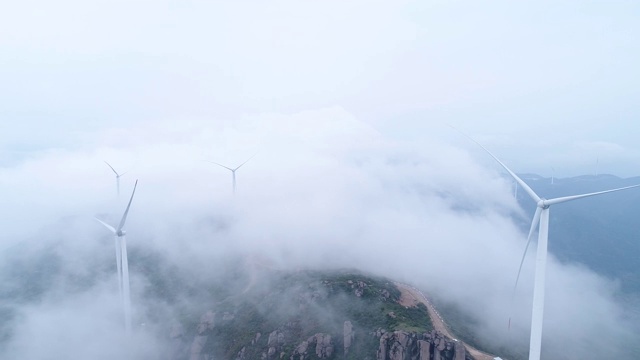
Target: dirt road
point(411, 296)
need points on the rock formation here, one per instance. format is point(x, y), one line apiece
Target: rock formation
point(204, 328)
point(402, 345)
point(348, 336)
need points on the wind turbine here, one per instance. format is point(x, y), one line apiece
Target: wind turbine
point(233, 171)
point(123, 263)
point(117, 176)
point(541, 216)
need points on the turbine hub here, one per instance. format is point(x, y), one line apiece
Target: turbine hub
point(542, 204)
point(121, 233)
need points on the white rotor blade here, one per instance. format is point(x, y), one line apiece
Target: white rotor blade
point(524, 185)
point(124, 217)
point(114, 170)
point(243, 163)
point(534, 223)
point(574, 197)
point(106, 225)
point(228, 168)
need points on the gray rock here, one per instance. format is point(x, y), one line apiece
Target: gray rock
point(460, 351)
point(204, 327)
point(348, 336)
point(424, 350)
point(196, 347)
point(300, 352)
point(241, 355)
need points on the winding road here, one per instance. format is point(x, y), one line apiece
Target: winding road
point(411, 296)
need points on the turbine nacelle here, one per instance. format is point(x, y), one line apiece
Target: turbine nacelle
point(542, 204)
point(119, 231)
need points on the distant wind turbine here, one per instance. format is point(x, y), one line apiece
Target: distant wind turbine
point(117, 177)
point(123, 263)
point(541, 216)
point(233, 171)
point(553, 173)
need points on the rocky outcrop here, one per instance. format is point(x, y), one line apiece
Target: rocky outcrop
point(275, 343)
point(204, 328)
point(401, 345)
point(358, 287)
point(323, 347)
point(348, 336)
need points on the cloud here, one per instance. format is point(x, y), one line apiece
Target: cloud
point(325, 190)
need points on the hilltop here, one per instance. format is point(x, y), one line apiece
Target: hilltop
point(316, 315)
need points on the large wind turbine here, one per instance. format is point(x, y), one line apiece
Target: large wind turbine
point(233, 171)
point(123, 263)
point(541, 216)
point(117, 177)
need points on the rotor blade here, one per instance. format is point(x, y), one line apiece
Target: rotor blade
point(244, 162)
point(114, 170)
point(534, 223)
point(124, 217)
point(574, 197)
point(213, 162)
point(106, 225)
point(524, 185)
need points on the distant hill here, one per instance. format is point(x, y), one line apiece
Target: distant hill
point(601, 232)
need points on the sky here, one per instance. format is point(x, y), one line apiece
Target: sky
point(544, 84)
point(345, 107)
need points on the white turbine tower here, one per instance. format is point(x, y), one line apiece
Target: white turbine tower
point(233, 171)
point(541, 216)
point(117, 177)
point(122, 262)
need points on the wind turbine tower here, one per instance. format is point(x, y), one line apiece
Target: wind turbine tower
point(117, 177)
point(122, 263)
point(541, 218)
point(233, 171)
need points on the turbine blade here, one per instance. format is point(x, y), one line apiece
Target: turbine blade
point(114, 170)
point(124, 217)
point(524, 185)
point(106, 225)
point(213, 162)
point(244, 162)
point(574, 197)
point(534, 223)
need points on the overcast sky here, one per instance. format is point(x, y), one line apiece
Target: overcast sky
point(543, 84)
